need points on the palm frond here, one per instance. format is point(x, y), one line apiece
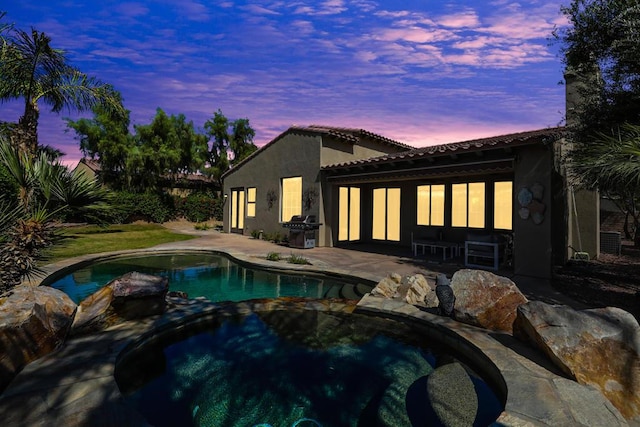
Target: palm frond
point(609, 162)
point(9, 215)
point(20, 167)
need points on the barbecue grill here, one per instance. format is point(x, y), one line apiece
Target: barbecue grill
point(302, 231)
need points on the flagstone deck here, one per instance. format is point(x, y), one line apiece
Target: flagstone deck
point(74, 386)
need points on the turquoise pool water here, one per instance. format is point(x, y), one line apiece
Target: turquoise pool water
point(213, 276)
point(308, 368)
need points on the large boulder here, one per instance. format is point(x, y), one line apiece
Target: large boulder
point(387, 287)
point(34, 321)
point(131, 296)
point(599, 347)
point(413, 289)
point(485, 299)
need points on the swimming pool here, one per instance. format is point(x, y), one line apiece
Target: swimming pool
point(302, 368)
point(211, 275)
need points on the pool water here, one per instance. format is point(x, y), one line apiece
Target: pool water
point(303, 369)
point(213, 276)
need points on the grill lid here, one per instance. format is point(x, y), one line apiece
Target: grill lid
point(302, 222)
point(304, 219)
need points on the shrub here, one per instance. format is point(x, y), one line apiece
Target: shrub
point(275, 237)
point(256, 234)
point(199, 207)
point(297, 259)
point(273, 256)
point(203, 227)
point(150, 207)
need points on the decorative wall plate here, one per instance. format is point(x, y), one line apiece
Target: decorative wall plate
point(537, 190)
point(524, 196)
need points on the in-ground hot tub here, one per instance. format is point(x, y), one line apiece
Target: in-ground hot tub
point(295, 366)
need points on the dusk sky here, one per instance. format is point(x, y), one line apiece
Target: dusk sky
point(420, 72)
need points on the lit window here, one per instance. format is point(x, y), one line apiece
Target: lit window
point(237, 209)
point(430, 205)
point(251, 201)
point(234, 209)
point(503, 205)
point(386, 214)
point(349, 215)
point(291, 198)
point(467, 205)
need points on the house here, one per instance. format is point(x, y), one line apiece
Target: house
point(503, 199)
point(179, 184)
point(90, 167)
point(283, 178)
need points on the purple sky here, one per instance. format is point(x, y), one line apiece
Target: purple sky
point(420, 72)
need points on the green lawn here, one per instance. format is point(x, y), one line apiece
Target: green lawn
point(93, 239)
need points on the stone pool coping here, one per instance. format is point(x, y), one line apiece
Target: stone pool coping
point(75, 385)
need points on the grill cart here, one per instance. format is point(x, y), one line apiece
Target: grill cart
point(302, 231)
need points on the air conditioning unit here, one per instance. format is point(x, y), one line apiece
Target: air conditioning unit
point(610, 242)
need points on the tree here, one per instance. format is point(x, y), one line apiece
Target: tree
point(32, 70)
point(192, 146)
point(235, 138)
point(602, 43)
point(4, 27)
point(106, 137)
point(602, 46)
point(612, 165)
point(166, 147)
point(217, 129)
point(241, 143)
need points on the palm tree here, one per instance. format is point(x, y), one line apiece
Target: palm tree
point(611, 164)
point(4, 27)
point(30, 69)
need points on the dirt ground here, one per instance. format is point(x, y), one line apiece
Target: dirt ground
point(611, 280)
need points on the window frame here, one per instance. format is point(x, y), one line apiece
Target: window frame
point(392, 230)
point(250, 210)
point(284, 199)
point(468, 205)
point(420, 206)
point(496, 206)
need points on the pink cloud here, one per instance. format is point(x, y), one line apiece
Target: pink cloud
point(467, 19)
point(414, 34)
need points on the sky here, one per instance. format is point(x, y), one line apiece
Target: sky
point(418, 71)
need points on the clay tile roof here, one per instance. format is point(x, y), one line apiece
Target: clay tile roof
point(505, 141)
point(92, 164)
point(349, 135)
point(352, 135)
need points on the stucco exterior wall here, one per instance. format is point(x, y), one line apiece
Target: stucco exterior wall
point(533, 244)
point(86, 170)
point(334, 151)
point(293, 155)
point(296, 154)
